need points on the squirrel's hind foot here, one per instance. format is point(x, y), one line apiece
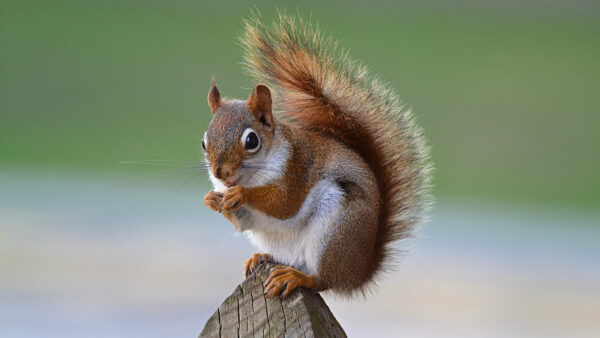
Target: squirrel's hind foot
point(253, 262)
point(286, 279)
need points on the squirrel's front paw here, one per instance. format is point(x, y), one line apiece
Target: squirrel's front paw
point(233, 199)
point(253, 262)
point(213, 200)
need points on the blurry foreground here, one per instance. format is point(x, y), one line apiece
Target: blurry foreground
point(89, 257)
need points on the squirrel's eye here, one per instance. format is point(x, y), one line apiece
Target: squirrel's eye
point(203, 145)
point(251, 140)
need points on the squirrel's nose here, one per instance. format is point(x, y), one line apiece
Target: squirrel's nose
point(222, 172)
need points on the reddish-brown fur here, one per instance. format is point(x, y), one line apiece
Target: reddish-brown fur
point(283, 197)
point(329, 94)
point(339, 125)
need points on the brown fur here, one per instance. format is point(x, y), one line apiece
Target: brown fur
point(321, 89)
point(347, 260)
point(283, 197)
point(312, 156)
point(260, 103)
point(214, 97)
point(341, 127)
point(225, 151)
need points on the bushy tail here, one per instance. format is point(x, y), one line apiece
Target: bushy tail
point(317, 85)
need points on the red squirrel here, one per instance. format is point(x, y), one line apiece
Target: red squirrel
point(321, 166)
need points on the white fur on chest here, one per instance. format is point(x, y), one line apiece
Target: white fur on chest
point(299, 240)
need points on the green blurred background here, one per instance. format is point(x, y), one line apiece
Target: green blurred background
point(508, 94)
point(103, 105)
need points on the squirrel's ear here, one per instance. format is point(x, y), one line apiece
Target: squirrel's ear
point(214, 97)
point(259, 104)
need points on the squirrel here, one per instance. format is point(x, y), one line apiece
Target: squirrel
point(321, 166)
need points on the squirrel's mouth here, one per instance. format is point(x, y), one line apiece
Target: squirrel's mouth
point(231, 184)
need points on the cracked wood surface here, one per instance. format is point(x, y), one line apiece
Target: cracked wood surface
point(247, 312)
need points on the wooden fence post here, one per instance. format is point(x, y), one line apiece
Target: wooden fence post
point(247, 312)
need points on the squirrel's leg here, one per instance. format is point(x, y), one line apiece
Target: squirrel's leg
point(251, 263)
point(286, 279)
point(348, 259)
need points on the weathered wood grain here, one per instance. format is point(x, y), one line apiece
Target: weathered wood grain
point(247, 312)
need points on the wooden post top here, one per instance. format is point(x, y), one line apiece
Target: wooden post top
point(247, 312)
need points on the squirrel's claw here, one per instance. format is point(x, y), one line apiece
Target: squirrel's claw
point(213, 200)
point(252, 263)
point(286, 279)
point(233, 199)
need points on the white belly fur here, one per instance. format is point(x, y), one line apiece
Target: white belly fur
point(297, 241)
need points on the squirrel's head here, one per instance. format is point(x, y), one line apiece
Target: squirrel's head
point(239, 135)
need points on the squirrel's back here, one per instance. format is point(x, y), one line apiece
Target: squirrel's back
point(320, 88)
